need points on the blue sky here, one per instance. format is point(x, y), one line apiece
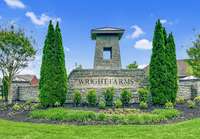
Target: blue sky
point(78, 17)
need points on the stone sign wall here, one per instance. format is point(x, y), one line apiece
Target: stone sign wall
point(99, 80)
point(84, 80)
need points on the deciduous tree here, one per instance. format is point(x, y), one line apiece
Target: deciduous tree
point(16, 50)
point(194, 55)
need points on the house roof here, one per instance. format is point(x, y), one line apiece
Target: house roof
point(190, 78)
point(24, 77)
point(106, 30)
point(183, 68)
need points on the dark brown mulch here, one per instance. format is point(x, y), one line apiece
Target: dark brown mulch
point(22, 116)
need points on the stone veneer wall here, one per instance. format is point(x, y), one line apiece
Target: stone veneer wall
point(93, 80)
point(28, 93)
point(24, 92)
point(188, 87)
point(107, 41)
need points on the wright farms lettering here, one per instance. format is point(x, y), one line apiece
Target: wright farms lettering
point(122, 82)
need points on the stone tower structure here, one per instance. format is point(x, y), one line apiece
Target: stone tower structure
point(107, 51)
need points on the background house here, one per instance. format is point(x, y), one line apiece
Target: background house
point(26, 79)
point(184, 69)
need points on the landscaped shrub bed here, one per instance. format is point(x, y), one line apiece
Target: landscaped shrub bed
point(117, 116)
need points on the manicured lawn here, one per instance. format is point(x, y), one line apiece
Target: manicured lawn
point(15, 130)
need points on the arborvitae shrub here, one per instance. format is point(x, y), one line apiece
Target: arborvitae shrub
point(77, 97)
point(47, 72)
point(125, 97)
point(60, 71)
point(171, 83)
point(109, 95)
point(91, 97)
point(53, 78)
point(163, 67)
point(157, 68)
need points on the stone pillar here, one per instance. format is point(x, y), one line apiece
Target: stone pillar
point(107, 40)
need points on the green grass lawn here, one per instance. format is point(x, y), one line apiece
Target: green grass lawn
point(16, 130)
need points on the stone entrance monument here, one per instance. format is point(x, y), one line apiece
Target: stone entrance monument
point(107, 71)
point(107, 41)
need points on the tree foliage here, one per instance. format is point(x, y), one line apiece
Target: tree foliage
point(163, 67)
point(16, 51)
point(157, 66)
point(171, 70)
point(194, 54)
point(53, 78)
point(132, 66)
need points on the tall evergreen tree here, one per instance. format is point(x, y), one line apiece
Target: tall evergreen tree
point(53, 78)
point(47, 72)
point(171, 84)
point(60, 71)
point(165, 35)
point(157, 66)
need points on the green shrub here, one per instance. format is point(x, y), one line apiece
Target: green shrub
point(101, 117)
point(57, 104)
point(17, 107)
point(91, 97)
point(62, 114)
point(77, 97)
point(125, 97)
point(167, 113)
point(180, 100)
point(102, 104)
point(191, 104)
point(118, 103)
point(143, 105)
point(197, 100)
point(169, 105)
point(35, 106)
point(109, 95)
point(3, 107)
point(143, 94)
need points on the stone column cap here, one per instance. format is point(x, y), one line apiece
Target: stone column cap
point(107, 31)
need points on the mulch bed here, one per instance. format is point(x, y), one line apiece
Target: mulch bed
point(22, 116)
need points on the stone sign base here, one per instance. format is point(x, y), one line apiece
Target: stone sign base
point(86, 79)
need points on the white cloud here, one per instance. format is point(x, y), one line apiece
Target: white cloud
point(142, 66)
point(42, 19)
point(136, 33)
point(67, 49)
point(163, 21)
point(143, 44)
point(15, 4)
